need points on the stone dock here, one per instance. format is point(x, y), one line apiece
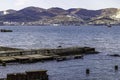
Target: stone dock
point(28, 75)
point(8, 55)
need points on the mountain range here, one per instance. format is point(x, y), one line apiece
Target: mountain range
point(58, 16)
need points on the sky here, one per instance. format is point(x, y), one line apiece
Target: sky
point(66, 4)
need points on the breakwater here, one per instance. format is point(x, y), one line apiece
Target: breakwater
point(34, 55)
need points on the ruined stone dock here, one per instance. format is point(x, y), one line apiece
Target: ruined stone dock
point(28, 75)
point(18, 55)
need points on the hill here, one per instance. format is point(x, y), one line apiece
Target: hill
point(74, 16)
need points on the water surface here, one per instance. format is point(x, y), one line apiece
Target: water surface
point(105, 40)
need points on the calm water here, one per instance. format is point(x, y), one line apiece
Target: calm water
point(104, 39)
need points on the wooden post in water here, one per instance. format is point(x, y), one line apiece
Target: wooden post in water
point(116, 67)
point(87, 71)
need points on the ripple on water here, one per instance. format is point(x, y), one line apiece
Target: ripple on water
point(101, 66)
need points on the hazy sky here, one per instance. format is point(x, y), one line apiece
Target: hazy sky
point(88, 4)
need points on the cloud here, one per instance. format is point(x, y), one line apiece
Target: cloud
point(21, 2)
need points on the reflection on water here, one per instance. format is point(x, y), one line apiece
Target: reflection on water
point(106, 40)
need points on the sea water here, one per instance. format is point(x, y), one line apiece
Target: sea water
point(105, 40)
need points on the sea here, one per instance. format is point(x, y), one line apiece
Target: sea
point(104, 39)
